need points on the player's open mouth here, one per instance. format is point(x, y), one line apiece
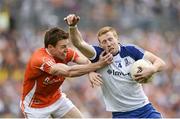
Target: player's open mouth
point(111, 49)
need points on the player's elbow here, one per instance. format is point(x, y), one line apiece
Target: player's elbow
point(68, 74)
point(78, 44)
point(163, 64)
point(87, 61)
point(59, 73)
point(72, 74)
point(56, 71)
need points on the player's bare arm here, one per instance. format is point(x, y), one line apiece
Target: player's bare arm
point(86, 49)
point(157, 62)
point(94, 77)
point(78, 70)
point(76, 36)
point(82, 60)
point(158, 65)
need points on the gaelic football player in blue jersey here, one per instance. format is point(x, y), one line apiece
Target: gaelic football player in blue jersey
point(123, 96)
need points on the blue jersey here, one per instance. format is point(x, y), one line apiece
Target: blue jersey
point(120, 92)
point(132, 51)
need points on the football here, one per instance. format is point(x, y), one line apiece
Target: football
point(138, 67)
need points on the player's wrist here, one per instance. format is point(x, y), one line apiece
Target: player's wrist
point(154, 69)
point(99, 64)
point(73, 26)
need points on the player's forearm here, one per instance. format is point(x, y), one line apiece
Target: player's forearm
point(78, 70)
point(78, 42)
point(75, 36)
point(75, 70)
point(159, 65)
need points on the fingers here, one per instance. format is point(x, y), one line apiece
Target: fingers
point(103, 53)
point(106, 57)
point(96, 84)
point(109, 58)
point(72, 19)
point(92, 85)
point(96, 80)
point(141, 80)
point(138, 76)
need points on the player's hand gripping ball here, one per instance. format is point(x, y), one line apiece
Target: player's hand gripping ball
point(138, 66)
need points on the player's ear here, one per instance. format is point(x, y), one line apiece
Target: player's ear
point(119, 42)
point(50, 46)
point(100, 45)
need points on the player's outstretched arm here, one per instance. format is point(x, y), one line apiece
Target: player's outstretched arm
point(76, 37)
point(78, 70)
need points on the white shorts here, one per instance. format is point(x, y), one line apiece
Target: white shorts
point(56, 110)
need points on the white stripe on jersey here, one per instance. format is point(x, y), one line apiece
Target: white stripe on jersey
point(28, 98)
point(50, 63)
point(72, 59)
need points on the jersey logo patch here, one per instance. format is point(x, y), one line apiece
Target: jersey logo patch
point(117, 73)
point(49, 81)
point(127, 62)
point(118, 63)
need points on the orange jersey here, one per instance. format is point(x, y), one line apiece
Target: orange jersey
point(40, 88)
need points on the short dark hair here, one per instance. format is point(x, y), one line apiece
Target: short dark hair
point(53, 35)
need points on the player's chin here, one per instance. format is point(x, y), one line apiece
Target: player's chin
point(62, 57)
point(111, 52)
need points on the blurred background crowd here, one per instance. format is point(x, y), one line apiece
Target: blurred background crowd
point(152, 24)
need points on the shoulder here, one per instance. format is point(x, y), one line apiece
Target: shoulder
point(98, 50)
point(40, 56)
point(131, 50)
point(132, 47)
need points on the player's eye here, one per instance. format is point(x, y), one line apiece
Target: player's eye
point(63, 46)
point(110, 39)
point(104, 42)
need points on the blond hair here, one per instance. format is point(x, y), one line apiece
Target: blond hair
point(106, 29)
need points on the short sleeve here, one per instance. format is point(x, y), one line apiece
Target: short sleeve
point(133, 51)
point(98, 50)
point(46, 64)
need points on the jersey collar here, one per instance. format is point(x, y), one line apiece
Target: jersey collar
point(47, 52)
point(118, 51)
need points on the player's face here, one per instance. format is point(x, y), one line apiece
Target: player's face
point(109, 43)
point(60, 50)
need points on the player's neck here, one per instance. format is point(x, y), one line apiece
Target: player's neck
point(117, 50)
point(48, 51)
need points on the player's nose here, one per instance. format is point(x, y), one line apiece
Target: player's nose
point(109, 44)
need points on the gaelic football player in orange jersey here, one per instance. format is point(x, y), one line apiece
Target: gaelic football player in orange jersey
point(45, 73)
